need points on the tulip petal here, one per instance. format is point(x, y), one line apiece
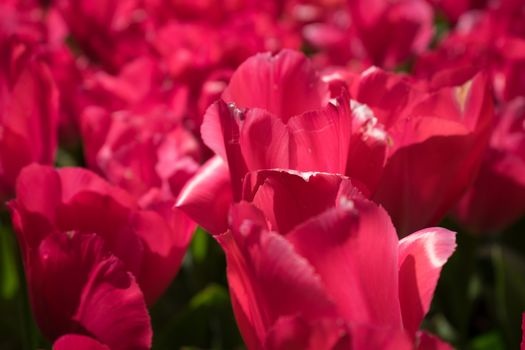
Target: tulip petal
point(100, 297)
point(288, 198)
point(78, 342)
point(285, 84)
point(207, 196)
point(92, 205)
point(361, 273)
point(112, 307)
point(221, 132)
point(372, 337)
point(38, 191)
point(421, 258)
point(420, 182)
point(320, 139)
point(264, 141)
point(164, 246)
point(267, 278)
point(294, 332)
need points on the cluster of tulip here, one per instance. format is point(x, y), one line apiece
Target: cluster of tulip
point(319, 142)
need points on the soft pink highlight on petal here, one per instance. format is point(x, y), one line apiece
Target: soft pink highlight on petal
point(367, 293)
point(207, 196)
point(421, 258)
point(285, 84)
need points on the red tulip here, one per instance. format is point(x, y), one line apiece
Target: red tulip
point(77, 286)
point(328, 272)
point(133, 136)
point(29, 112)
point(289, 123)
point(497, 197)
point(390, 141)
point(438, 135)
point(453, 9)
point(493, 41)
point(111, 33)
point(150, 243)
point(390, 31)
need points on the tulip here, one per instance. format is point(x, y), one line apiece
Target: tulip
point(149, 243)
point(290, 124)
point(29, 112)
point(80, 289)
point(111, 33)
point(389, 140)
point(133, 133)
point(493, 41)
point(328, 272)
point(497, 196)
point(438, 132)
point(390, 32)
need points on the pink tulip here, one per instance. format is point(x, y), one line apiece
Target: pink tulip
point(29, 112)
point(149, 243)
point(497, 197)
point(438, 133)
point(289, 123)
point(389, 140)
point(80, 289)
point(329, 272)
point(390, 31)
point(493, 41)
point(111, 33)
point(134, 136)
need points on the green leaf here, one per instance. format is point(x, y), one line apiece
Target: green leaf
point(488, 341)
point(199, 245)
point(9, 283)
point(212, 295)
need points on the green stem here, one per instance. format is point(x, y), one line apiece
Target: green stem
point(500, 289)
point(25, 317)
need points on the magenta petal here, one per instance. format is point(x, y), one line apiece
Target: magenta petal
point(29, 119)
point(211, 130)
point(112, 307)
point(285, 84)
point(421, 258)
point(91, 205)
point(267, 278)
point(164, 248)
point(34, 211)
point(295, 332)
point(78, 180)
point(221, 131)
point(100, 297)
point(206, 198)
point(422, 181)
point(60, 258)
point(78, 342)
point(361, 273)
point(320, 139)
point(372, 337)
point(264, 140)
point(288, 198)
